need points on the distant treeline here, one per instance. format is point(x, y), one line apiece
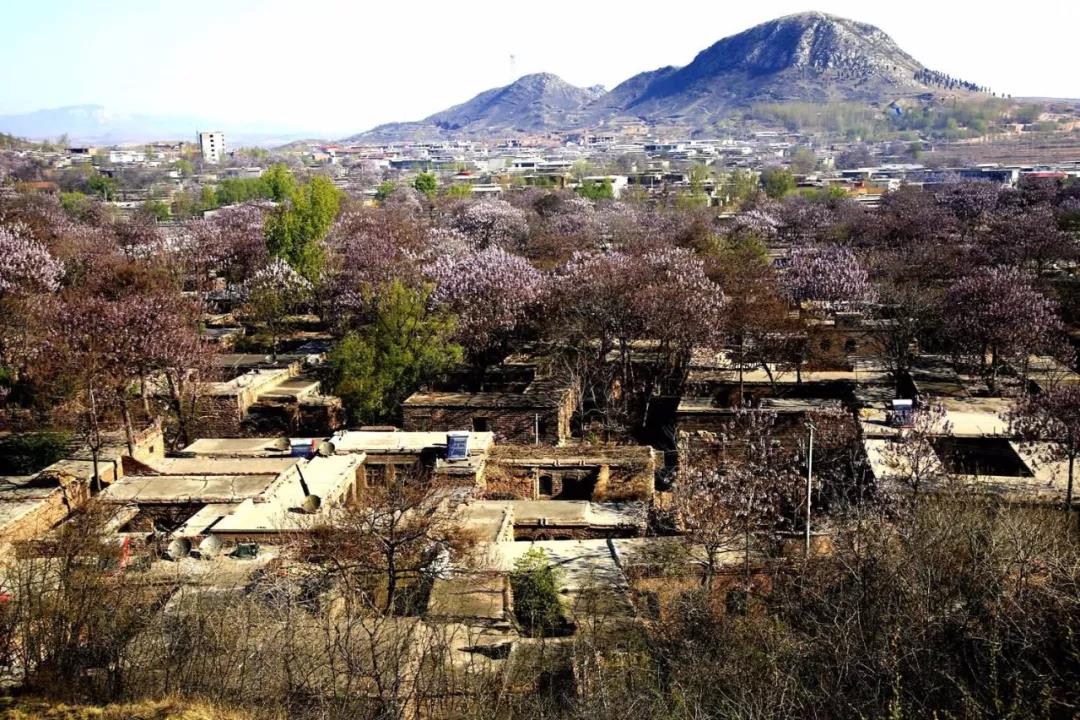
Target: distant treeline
point(953, 120)
point(944, 80)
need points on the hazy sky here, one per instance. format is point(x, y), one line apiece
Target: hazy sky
point(340, 67)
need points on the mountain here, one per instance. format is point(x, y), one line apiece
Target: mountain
point(96, 124)
point(529, 104)
point(810, 57)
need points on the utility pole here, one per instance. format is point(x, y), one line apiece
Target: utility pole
point(809, 483)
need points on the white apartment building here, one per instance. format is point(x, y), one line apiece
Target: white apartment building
point(212, 145)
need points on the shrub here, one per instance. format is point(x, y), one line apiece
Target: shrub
point(536, 594)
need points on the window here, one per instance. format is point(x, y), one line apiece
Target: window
point(480, 424)
point(850, 346)
point(546, 486)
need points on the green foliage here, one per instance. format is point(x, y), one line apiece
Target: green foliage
point(839, 118)
point(295, 229)
point(184, 166)
point(101, 186)
point(207, 200)
point(277, 184)
point(594, 190)
point(777, 181)
point(1027, 114)
point(858, 121)
point(581, 169)
point(459, 190)
point(183, 205)
point(385, 189)
point(426, 183)
point(831, 192)
point(231, 191)
point(691, 199)
point(405, 345)
point(75, 203)
point(157, 209)
point(280, 183)
point(255, 154)
point(953, 120)
point(30, 453)
point(535, 584)
point(738, 186)
point(1045, 126)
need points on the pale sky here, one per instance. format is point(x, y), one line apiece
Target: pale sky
point(340, 67)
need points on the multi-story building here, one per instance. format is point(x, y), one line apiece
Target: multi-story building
point(212, 145)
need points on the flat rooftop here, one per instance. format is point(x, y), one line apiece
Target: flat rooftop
point(236, 447)
point(963, 417)
point(399, 442)
point(176, 489)
point(226, 465)
point(276, 508)
point(1042, 480)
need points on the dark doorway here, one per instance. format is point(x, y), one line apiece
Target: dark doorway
point(577, 487)
point(546, 486)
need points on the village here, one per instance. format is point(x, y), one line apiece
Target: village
point(696, 361)
point(487, 426)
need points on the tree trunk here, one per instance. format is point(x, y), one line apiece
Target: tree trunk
point(145, 395)
point(1069, 491)
point(129, 431)
point(391, 582)
point(742, 355)
point(177, 395)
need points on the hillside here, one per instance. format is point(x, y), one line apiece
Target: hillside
point(808, 57)
point(529, 104)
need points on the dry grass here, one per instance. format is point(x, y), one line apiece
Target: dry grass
point(38, 709)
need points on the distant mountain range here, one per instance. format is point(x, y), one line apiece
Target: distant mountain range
point(812, 57)
point(95, 124)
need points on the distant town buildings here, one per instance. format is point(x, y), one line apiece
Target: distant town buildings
point(212, 146)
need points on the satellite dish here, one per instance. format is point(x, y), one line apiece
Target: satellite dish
point(210, 546)
point(311, 504)
point(178, 549)
point(325, 449)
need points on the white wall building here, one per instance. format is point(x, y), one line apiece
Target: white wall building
point(126, 157)
point(212, 145)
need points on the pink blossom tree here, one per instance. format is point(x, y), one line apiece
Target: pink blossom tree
point(605, 302)
point(828, 274)
point(1031, 238)
point(368, 249)
point(26, 265)
point(231, 243)
point(996, 315)
point(720, 507)
point(28, 274)
point(492, 292)
point(273, 293)
point(492, 222)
